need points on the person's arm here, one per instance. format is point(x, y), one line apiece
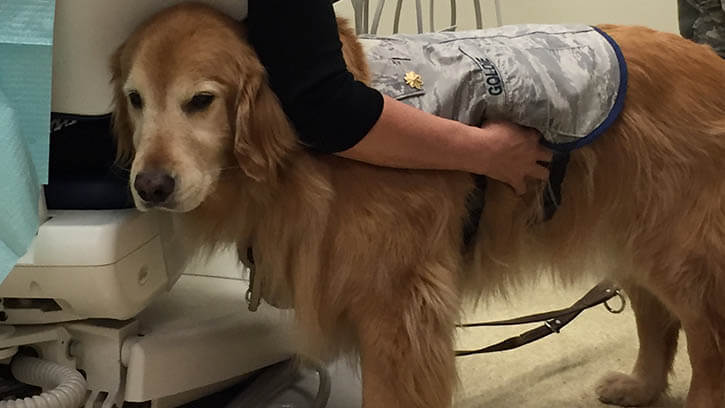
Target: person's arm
point(299, 45)
point(405, 137)
point(687, 15)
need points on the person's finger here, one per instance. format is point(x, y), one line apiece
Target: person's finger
point(545, 155)
point(519, 188)
point(533, 133)
point(539, 173)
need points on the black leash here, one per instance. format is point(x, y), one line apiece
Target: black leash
point(554, 321)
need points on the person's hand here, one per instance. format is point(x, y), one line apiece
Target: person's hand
point(510, 153)
point(408, 138)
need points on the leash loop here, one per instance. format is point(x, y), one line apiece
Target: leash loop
point(622, 303)
point(553, 322)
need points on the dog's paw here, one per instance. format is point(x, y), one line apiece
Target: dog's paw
point(626, 391)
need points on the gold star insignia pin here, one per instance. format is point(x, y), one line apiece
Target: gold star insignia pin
point(414, 80)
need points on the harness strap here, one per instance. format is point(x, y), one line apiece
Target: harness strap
point(554, 321)
point(557, 173)
point(476, 203)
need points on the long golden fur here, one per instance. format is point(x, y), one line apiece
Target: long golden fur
point(370, 258)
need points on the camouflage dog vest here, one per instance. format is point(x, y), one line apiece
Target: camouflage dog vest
point(566, 81)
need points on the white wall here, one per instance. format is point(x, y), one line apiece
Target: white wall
point(465, 14)
point(659, 14)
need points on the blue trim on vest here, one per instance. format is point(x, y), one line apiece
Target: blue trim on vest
point(616, 109)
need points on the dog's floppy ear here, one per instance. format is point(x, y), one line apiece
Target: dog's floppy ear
point(122, 129)
point(263, 134)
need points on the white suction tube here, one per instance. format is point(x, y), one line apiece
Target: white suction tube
point(66, 387)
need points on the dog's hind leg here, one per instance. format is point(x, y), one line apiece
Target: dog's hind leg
point(698, 301)
point(694, 295)
point(658, 331)
point(705, 331)
point(406, 344)
point(706, 386)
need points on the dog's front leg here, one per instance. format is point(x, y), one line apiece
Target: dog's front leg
point(406, 344)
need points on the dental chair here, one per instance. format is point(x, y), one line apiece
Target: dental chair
point(106, 309)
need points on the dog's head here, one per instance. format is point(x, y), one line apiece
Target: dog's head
point(191, 103)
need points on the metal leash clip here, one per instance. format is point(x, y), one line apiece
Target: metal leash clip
point(254, 292)
point(622, 300)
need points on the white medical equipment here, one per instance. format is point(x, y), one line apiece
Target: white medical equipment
point(104, 291)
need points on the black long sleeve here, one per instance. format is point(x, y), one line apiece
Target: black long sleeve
point(298, 43)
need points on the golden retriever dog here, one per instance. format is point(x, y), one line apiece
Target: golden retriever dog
point(371, 258)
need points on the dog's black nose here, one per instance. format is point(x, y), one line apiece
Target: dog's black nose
point(154, 187)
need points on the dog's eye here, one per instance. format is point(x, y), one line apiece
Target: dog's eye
point(135, 99)
point(199, 102)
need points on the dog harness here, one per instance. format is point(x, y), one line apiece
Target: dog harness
point(566, 81)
